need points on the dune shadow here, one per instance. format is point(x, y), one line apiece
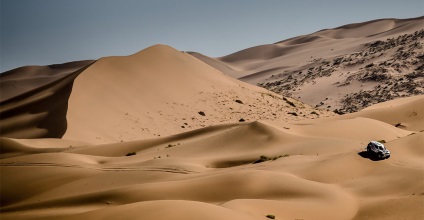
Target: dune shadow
point(365, 154)
point(41, 109)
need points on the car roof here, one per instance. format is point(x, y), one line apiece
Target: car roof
point(377, 143)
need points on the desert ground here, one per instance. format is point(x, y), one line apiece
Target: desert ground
point(167, 134)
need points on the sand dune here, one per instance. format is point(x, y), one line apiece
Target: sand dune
point(406, 113)
point(25, 79)
point(160, 91)
point(303, 47)
point(145, 98)
point(34, 100)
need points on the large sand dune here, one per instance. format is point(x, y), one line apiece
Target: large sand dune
point(162, 135)
point(160, 91)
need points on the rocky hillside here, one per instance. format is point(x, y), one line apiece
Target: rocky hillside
point(343, 69)
point(394, 66)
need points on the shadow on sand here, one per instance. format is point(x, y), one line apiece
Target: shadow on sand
point(372, 157)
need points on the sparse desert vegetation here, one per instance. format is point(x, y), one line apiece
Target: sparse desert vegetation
point(131, 154)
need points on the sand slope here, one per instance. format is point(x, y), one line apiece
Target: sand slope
point(34, 99)
point(216, 173)
point(406, 113)
point(24, 79)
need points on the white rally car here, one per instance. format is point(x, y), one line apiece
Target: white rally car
point(377, 149)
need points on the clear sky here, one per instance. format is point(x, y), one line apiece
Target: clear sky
point(40, 32)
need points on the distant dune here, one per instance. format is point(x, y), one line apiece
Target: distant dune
point(162, 135)
point(344, 69)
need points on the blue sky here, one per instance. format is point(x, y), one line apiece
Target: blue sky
point(41, 32)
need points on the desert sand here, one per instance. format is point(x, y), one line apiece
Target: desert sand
point(314, 171)
point(161, 134)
